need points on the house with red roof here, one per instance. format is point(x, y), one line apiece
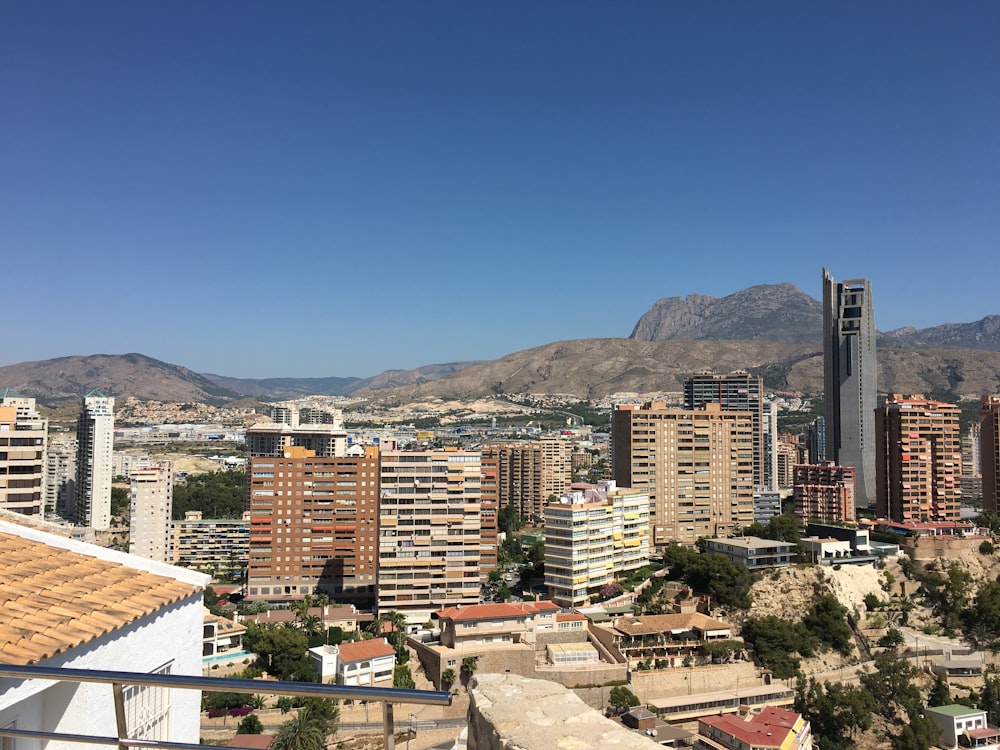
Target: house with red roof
point(772, 728)
point(369, 663)
point(482, 624)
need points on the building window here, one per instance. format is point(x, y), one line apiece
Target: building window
point(7, 743)
point(147, 709)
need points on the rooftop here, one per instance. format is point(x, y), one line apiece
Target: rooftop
point(54, 597)
point(361, 650)
point(495, 611)
point(649, 624)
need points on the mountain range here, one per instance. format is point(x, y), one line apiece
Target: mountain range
point(771, 330)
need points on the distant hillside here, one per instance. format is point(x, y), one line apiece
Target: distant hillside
point(68, 379)
point(982, 334)
point(594, 368)
point(52, 381)
point(772, 312)
point(280, 389)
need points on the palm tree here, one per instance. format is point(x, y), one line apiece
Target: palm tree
point(299, 733)
point(448, 678)
point(469, 664)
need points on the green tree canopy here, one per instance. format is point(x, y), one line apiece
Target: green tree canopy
point(622, 699)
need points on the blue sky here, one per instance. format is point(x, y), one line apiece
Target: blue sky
point(336, 188)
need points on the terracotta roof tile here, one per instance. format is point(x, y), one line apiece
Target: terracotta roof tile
point(55, 599)
point(361, 650)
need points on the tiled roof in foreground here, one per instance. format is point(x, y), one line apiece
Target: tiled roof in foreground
point(54, 599)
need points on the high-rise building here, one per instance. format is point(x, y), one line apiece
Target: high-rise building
point(769, 426)
point(151, 501)
point(23, 435)
point(60, 476)
point(815, 437)
point(95, 434)
point(989, 451)
point(529, 473)
point(272, 438)
point(592, 537)
point(429, 531)
point(696, 466)
point(824, 492)
point(919, 460)
point(737, 391)
point(849, 379)
point(314, 525)
point(972, 464)
point(205, 543)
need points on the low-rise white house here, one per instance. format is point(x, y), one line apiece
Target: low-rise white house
point(67, 604)
point(961, 725)
point(367, 663)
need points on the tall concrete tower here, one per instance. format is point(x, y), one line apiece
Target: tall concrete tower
point(849, 379)
point(95, 433)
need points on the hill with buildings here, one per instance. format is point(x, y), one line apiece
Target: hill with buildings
point(595, 368)
point(291, 388)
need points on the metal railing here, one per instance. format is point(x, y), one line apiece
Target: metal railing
point(388, 697)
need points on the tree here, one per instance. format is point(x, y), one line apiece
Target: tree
point(920, 734)
point(299, 733)
point(826, 619)
point(402, 678)
point(989, 701)
point(622, 699)
point(469, 665)
point(250, 725)
point(891, 685)
point(836, 712)
point(940, 695)
point(324, 713)
point(448, 678)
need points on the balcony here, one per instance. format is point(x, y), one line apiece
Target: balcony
point(118, 681)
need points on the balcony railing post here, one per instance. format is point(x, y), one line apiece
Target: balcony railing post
point(119, 693)
point(390, 732)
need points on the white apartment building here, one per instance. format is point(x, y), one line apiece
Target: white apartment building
point(95, 433)
point(60, 476)
point(151, 500)
point(429, 531)
point(593, 536)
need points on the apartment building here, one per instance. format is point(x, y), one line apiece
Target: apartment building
point(919, 459)
point(211, 544)
point(430, 531)
point(23, 435)
point(95, 432)
point(972, 464)
point(989, 451)
point(151, 501)
point(313, 525)
point(274, 438)
point(697, 467)
point(771, 729)
point(592, 537)
point(824, 492)
point(529, 473)
point(60, 476)
point(738, 391)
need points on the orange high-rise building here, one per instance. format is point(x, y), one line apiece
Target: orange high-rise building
point(989, 451)
point(918, 459)
point(314, 525)
point(824, 492)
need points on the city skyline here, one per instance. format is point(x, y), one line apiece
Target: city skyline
point(382, 168)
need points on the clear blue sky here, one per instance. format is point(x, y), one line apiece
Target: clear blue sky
point(336, 188)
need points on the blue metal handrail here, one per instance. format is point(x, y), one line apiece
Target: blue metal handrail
point(386, 696)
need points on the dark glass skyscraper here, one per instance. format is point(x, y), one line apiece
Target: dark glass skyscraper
point(849, 379)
